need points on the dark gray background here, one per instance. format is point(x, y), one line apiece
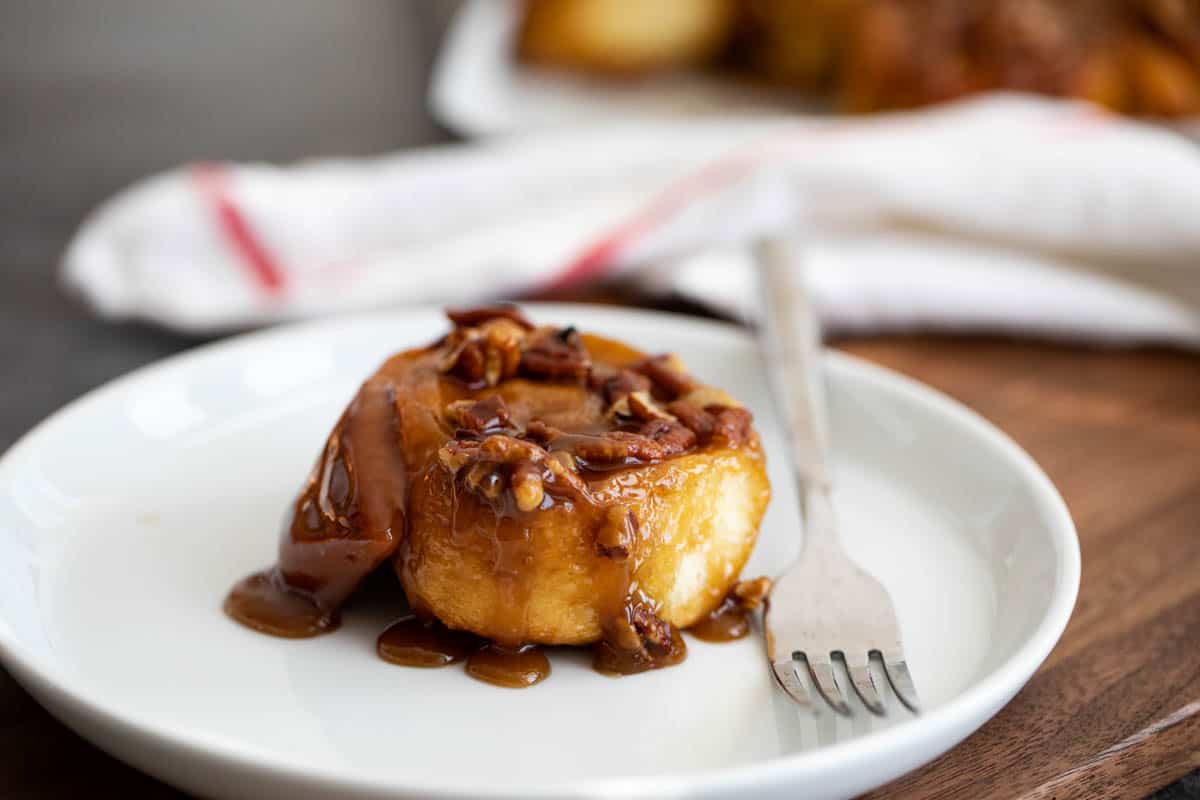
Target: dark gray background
point(96, 94)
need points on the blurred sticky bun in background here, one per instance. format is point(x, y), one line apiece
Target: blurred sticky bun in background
point(1134, 56)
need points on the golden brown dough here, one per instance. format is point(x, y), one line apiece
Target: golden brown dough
point(541, 578)
point(1134, 56)
point(625, 37)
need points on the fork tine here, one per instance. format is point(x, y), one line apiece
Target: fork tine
point(901, 680)
point(785, 673)
point(822, 675)
point(858, 666)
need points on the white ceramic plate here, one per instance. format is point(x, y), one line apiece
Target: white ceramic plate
point(126, 516)
point(479, 89)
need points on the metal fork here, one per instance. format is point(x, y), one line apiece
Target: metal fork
point(824, 609)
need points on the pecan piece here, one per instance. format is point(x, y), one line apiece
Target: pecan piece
point(503, 449)
point(732, 425)
point(657, 439)
point(696, 419)
point(669, 436)
point(470, 317)
point(562, 467)
point(617, 533)
point(667, 373)
point(484, 355)
point(478, 416)
point(463, 357)
point(727, 425)
point(563, 459)
point(485, 479)
point(638, 640)
point(531, 471)
point(657, 635)
point(458, 454)
point(555, 354)
point(527, 486)
point(605, 449)
point(616, 384)
point(537, 430)
point(637, 405)
point(642, 406)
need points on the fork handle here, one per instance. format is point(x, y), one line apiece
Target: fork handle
point(791, 342)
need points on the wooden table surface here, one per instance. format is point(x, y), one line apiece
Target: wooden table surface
point(95, 95)
point(1115, 711)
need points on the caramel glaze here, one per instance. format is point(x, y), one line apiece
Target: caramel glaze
point(350, 515)
point(731, 618)
point(263, 601)
point(345, 523)
point(412, 642)
point(724, 623)
point(513, 668)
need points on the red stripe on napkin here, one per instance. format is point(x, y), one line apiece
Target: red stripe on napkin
point(596, 259)
point(599, 257)
point(213, 182)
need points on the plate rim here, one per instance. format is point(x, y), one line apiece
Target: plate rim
point(989, 693)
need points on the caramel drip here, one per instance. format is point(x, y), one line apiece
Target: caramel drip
point(412, 642)
point(515, 668)
point(636, 640)
point(347, 521)
point(726, 622)
point(263, 601)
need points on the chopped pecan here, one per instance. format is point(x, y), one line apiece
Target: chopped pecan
point(732, 425)
point(537, 430)
point(727, 425)
point(457, 454)
point(607, 449)
point(657, 635)
point(637, 405)
point(527, 486)
point(504, 449)
point(563, 459)
point(504, 340)
point(562, 466)
point(487, 413)
point(486, 354)
point(642, 406)
point(470, 317)
point(534, 472)
point(638, 640)
point(556, 354)
point(485, 479)
point(695, 418)
point(671, 437)
point(598, 375)
point(617, 533)
point(454, 456)
point(657, 439)
point(703, 396)
point(616, 384)
point(667, 374)
point(463, 356)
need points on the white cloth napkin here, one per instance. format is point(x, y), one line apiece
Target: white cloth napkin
point(1000, 214)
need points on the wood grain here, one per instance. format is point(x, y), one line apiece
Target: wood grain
point(1115, 710)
